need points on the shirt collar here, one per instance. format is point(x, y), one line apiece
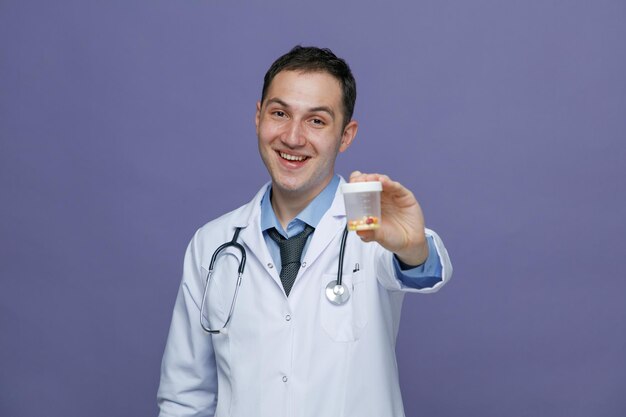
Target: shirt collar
point(311, 215)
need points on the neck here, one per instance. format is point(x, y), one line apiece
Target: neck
point(286, 209)
point(287, 205)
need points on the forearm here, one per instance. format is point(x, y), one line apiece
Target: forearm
point(425, 275)
point(435, 272)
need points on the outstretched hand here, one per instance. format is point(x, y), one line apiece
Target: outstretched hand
point(402, 228)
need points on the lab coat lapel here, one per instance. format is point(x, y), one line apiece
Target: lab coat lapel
point(251, 236)
point(331, 224)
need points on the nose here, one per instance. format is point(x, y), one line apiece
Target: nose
point(293, 136)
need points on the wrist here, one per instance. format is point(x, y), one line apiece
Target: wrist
point(413, 257)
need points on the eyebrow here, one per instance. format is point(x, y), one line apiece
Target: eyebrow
point(324, 109)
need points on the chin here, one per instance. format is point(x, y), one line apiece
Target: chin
point(288, 186)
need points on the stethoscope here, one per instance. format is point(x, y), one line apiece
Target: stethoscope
point(336, 292)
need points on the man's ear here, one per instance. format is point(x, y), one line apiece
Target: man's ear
point(257, 116)
point(349, 132)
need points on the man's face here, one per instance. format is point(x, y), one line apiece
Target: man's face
point(300, 131)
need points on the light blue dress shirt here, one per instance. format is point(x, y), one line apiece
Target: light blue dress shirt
point(422, 276)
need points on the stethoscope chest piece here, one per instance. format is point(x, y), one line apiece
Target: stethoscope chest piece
point(337, 294)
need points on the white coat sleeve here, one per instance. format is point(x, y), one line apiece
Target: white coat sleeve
point(188, 386)
point(386, 271)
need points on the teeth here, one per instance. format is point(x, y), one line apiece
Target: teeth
point(292, 157)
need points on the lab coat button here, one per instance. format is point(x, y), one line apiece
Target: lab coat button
point(303, 264)
point(284, 379)
point(287, 317)
point(269, 265)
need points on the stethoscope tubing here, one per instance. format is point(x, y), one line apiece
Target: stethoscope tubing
point(342, 252)
point(242, 266)
point(335, 291)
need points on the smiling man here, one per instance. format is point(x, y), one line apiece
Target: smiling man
point(301, 129)
point(270, 343)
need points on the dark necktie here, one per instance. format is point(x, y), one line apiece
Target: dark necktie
point(290, 254)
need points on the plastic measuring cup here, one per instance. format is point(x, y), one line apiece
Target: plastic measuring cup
point(362, 200)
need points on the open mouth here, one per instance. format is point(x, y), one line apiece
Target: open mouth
point(292, 158)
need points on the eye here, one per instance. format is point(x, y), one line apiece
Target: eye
point(279, 113)
point(318, 122)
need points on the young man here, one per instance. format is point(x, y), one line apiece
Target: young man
point(285, 349)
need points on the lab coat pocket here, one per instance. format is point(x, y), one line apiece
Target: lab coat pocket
point(345, 322)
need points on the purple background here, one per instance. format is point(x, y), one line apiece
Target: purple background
point(126, 125)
